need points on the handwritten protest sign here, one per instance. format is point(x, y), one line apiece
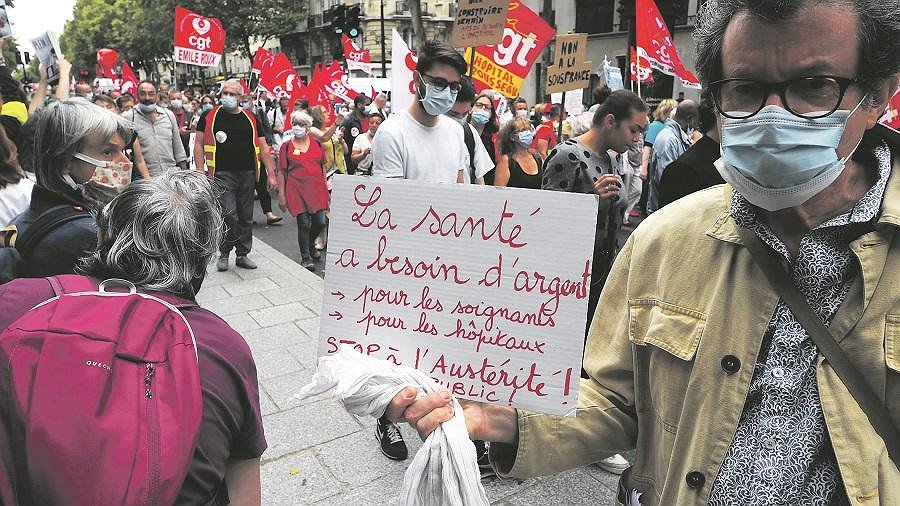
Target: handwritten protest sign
point(47, 49)
point(5, 27)
point(569, 70)
point(484, 289)
point(479, 22)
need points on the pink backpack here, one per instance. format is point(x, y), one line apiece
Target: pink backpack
point(100, 399)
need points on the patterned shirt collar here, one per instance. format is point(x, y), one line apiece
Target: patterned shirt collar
point(747, 215)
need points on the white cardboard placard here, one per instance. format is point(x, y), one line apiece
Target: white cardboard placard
point(485, 289)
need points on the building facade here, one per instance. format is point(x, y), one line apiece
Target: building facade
point(315, 41)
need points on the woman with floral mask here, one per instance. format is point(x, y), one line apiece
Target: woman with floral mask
point(74, 145)
point(301, 185)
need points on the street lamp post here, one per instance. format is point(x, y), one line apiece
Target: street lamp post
point(383, 50)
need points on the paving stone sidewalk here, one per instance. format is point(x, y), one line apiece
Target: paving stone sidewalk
point(318, 453)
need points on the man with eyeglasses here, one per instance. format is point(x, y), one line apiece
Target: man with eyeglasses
point(420, 142)
point(694, 358)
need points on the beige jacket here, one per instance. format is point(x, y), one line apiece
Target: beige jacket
point(683, 301)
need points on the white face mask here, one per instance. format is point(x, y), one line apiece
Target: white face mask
point(300, 131)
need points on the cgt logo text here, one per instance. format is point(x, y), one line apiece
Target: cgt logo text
point(201, 43)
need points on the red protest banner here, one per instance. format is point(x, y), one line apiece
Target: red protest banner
point(357, 59)
point(640, 66)
point(336, 83)
point(504, 66)
point(129, 80)
point(107, 60)
point(891, 116)
point(198, 40)
point(654, 39)
point(276, 74)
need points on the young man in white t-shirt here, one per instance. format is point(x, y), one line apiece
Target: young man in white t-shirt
point(420, 142)
point(361, 151)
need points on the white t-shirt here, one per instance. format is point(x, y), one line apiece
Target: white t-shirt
point(360, 144)
point(483, 162)
point(403, 147)
point(14, 199)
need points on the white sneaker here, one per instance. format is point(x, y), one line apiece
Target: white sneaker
point(615, 464)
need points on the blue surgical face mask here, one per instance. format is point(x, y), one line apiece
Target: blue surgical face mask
point(229, 102)
point(525, 137)
point(777, 160)
point(206, 107)
point(176, 104)
point(437, 102)
point(480, 117)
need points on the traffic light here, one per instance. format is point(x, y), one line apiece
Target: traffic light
point(352, 26)
point(339, 19)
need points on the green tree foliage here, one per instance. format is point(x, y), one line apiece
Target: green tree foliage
point(141, 30)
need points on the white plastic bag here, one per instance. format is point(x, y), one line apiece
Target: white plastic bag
point(444, 472)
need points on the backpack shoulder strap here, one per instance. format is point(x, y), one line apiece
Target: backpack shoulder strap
point(469, 137)
point(48, 221)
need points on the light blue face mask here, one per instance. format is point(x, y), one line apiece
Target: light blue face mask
point(228, 102)
point(778, 160)
point(437, 102)
point(480, 117)
point(526, 137)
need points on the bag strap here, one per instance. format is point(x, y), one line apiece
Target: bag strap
point(74, 283)
point(44, 224)
point(469, 138)
point(856, 384)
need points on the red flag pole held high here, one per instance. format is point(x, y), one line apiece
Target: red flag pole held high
point(654, 40)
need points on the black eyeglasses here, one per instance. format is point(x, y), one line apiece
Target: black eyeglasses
point(440, 83)
point(806, 97)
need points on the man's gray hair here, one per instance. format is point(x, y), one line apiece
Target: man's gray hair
point(59, 131)
point(381, 95)
point(232, 83)
point(301, 117)
point(159, 233)
point(878, 32)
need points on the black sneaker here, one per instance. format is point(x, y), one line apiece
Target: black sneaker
point(392, 444)
point(484, 464)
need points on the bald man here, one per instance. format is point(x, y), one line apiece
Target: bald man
point(671, 142)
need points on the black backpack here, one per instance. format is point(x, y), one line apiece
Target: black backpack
point(22, 243)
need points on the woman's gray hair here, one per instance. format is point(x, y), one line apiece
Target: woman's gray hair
point(878, 31)
point(301, 117)
point(59, 131)
point(159, 233)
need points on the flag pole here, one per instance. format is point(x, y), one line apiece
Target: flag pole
point(637, 63)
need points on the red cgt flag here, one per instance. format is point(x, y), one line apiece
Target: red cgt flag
point(654, 39)
point(357, 59)
point(198, 40)
point(129, 80)
point(276, 74)
point(640, 67)
point(107, 60)
point(891, 116)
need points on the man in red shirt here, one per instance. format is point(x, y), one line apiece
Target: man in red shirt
point(545, 134)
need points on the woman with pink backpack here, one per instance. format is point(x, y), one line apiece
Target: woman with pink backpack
point(115, 386)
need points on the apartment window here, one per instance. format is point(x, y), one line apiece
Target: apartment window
point(594, 16)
